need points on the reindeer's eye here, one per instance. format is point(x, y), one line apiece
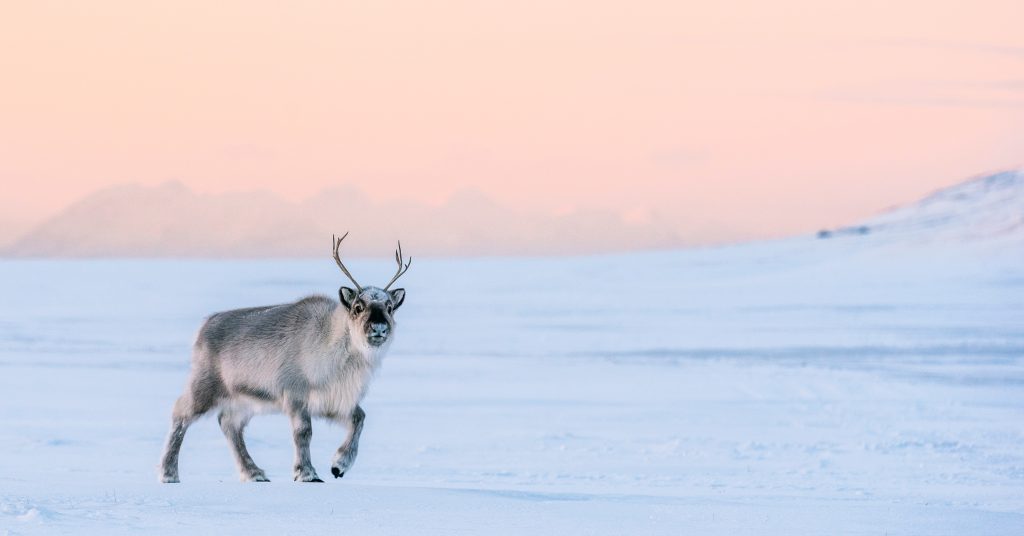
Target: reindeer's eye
point(357, 308)
point(390, 308)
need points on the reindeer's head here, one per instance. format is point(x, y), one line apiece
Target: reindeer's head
point(371, 309)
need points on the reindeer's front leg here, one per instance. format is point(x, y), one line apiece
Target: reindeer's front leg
point(346, 455)
point(302, 432)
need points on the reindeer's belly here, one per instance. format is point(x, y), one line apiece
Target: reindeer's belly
point(327, 387)
point(251, 404)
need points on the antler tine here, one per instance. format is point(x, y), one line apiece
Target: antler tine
point(337, 258)
point(401, 269)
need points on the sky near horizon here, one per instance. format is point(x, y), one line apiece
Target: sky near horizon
point(731, 119)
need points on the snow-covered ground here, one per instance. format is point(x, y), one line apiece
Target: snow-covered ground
point(857, 385)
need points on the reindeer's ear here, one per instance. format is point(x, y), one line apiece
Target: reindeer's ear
point(397, 297)
point(348, 297)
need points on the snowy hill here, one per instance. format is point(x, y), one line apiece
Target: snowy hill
point(984, 208)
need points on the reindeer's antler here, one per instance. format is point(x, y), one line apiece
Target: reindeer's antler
point(401, 269)
point(337, 244)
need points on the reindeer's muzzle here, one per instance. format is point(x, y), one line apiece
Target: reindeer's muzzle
point(378, 333)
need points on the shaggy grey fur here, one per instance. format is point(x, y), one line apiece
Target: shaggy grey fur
point(311, 358)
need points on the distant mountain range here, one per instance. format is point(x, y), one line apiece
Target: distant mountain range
point(170, 220)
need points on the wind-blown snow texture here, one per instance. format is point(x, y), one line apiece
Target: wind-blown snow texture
point(863, 385)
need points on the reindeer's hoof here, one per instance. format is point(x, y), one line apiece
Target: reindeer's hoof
point(169, 479)
point(338, 473)
point(307, 476)
point(255, 477)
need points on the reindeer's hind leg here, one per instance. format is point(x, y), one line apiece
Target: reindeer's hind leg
point(202, 393)
point(232, 422)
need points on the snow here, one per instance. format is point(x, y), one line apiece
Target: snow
point(988, 207)
point(863, 385)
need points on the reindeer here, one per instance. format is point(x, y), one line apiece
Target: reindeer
point(311, 358)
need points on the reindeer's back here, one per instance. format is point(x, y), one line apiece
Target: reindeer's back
point(266, 328)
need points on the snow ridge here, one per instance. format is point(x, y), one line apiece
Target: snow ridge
point(984, 208)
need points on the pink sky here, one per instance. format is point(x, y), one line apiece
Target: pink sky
point(764, 117)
